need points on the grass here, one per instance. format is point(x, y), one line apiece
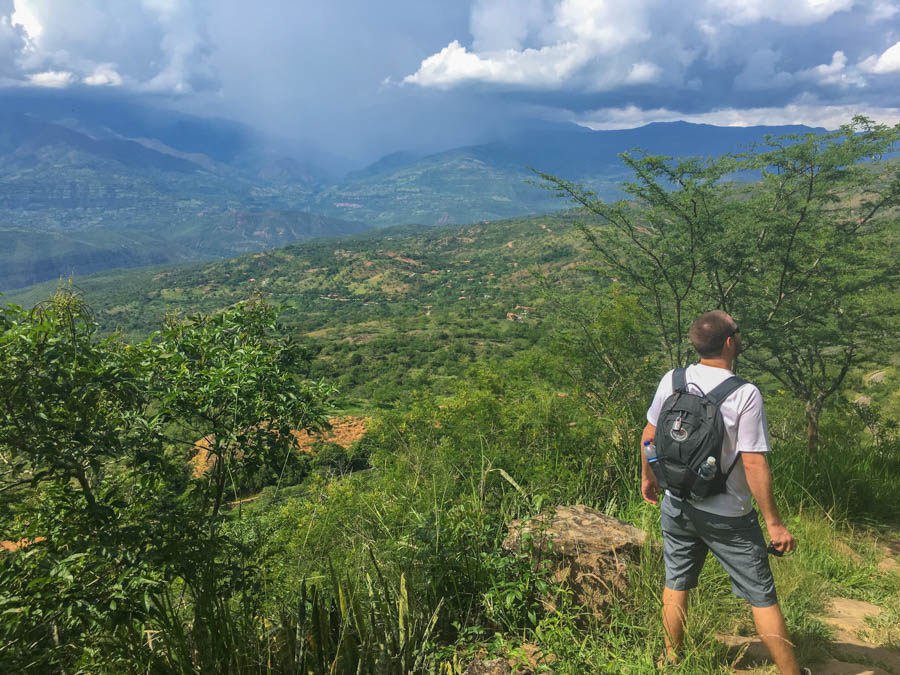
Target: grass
point(629, 638)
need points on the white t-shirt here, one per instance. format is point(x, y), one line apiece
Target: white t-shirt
point(746, 430)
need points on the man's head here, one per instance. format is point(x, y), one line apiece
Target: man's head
point(710, 332)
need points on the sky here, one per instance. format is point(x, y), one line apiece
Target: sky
point(364, 78)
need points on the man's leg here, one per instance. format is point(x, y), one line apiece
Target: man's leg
point(674, 612)
point(773, 631)
point(683, 555)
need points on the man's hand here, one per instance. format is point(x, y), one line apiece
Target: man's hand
point(760, 481)
point(649, 484)
point(650, 488)
point(781, 538)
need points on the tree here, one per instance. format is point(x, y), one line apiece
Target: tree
point(93, 481)
point(221, 378)
point(804, 258)
point(819, 246)
point(658, 241)
point(84, 487)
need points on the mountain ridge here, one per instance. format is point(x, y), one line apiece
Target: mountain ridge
point(171, 183)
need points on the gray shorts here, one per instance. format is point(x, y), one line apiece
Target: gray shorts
point(736, 542)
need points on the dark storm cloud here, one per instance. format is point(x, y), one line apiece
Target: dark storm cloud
point(318, 69)
point(670, 60)
point(361, 78)
point(304, 70)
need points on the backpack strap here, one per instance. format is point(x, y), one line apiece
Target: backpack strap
point(718, 395)
point(679, 382)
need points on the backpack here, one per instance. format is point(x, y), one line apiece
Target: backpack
point(690, 428)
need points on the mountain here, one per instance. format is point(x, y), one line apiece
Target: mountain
point(84, 188)
point(224, 141)
point(491, 181)
point(90, 184)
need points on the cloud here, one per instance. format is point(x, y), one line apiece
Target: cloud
point(762, 72)
point(888, 62)
point(811, 113)
point(883, 10)
point(506, 24)
point(837, 73)
point(789, 12)
point(155, 46)
point(12, 40)
point(546, 67)
point(745, 50)
point(643, 73)
point(367, 78)
point(829, 73)
point(546, 44)
point(55, 79)
point(104, 75)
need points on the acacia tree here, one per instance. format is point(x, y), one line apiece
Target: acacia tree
point(660, 239)
point(818, 248)
point(804, 257)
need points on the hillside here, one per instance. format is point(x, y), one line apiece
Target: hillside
point(85, 187)
point(154, 186)
point(411, 304)
point(493, 180)
point(488, 374)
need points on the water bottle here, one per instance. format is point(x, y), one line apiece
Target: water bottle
point(705, 475)
point(650, 451)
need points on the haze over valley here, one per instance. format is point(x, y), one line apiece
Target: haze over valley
point(85, 187)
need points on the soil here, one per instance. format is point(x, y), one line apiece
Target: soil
point(345, 431)
point(12, 546)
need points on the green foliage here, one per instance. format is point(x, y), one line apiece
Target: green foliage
point(387, 556)
point(221, 378)
point(95, 488)
point(802, 258)
point(337, 459)
point(386, 313)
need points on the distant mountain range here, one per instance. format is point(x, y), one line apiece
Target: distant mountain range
point(493, 181)
point(88, 185)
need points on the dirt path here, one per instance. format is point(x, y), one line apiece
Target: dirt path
point(856, 648)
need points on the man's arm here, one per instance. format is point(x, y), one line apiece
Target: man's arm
point(649, 484)
point(759, 478)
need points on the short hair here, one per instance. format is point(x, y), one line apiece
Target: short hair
point(709, 331)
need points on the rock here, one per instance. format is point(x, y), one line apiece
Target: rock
point(749, 656)
point(888, 565)
point(526, 659)
point(534, 657)
point(876, 377)
point(489, 667)
point(745, 652)
point(848, 619)
point(835, 667)
point(889, 546)
point(848, 615)
point(846, 551)
point(588, 551)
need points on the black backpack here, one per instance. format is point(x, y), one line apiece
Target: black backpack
point(690, 428)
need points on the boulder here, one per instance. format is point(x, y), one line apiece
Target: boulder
point(489, 667)
point(588, 551)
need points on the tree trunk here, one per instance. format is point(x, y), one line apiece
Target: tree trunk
point(812, 428)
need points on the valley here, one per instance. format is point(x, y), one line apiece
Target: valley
point(85, 188)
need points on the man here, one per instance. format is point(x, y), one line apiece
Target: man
point(726, 523)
